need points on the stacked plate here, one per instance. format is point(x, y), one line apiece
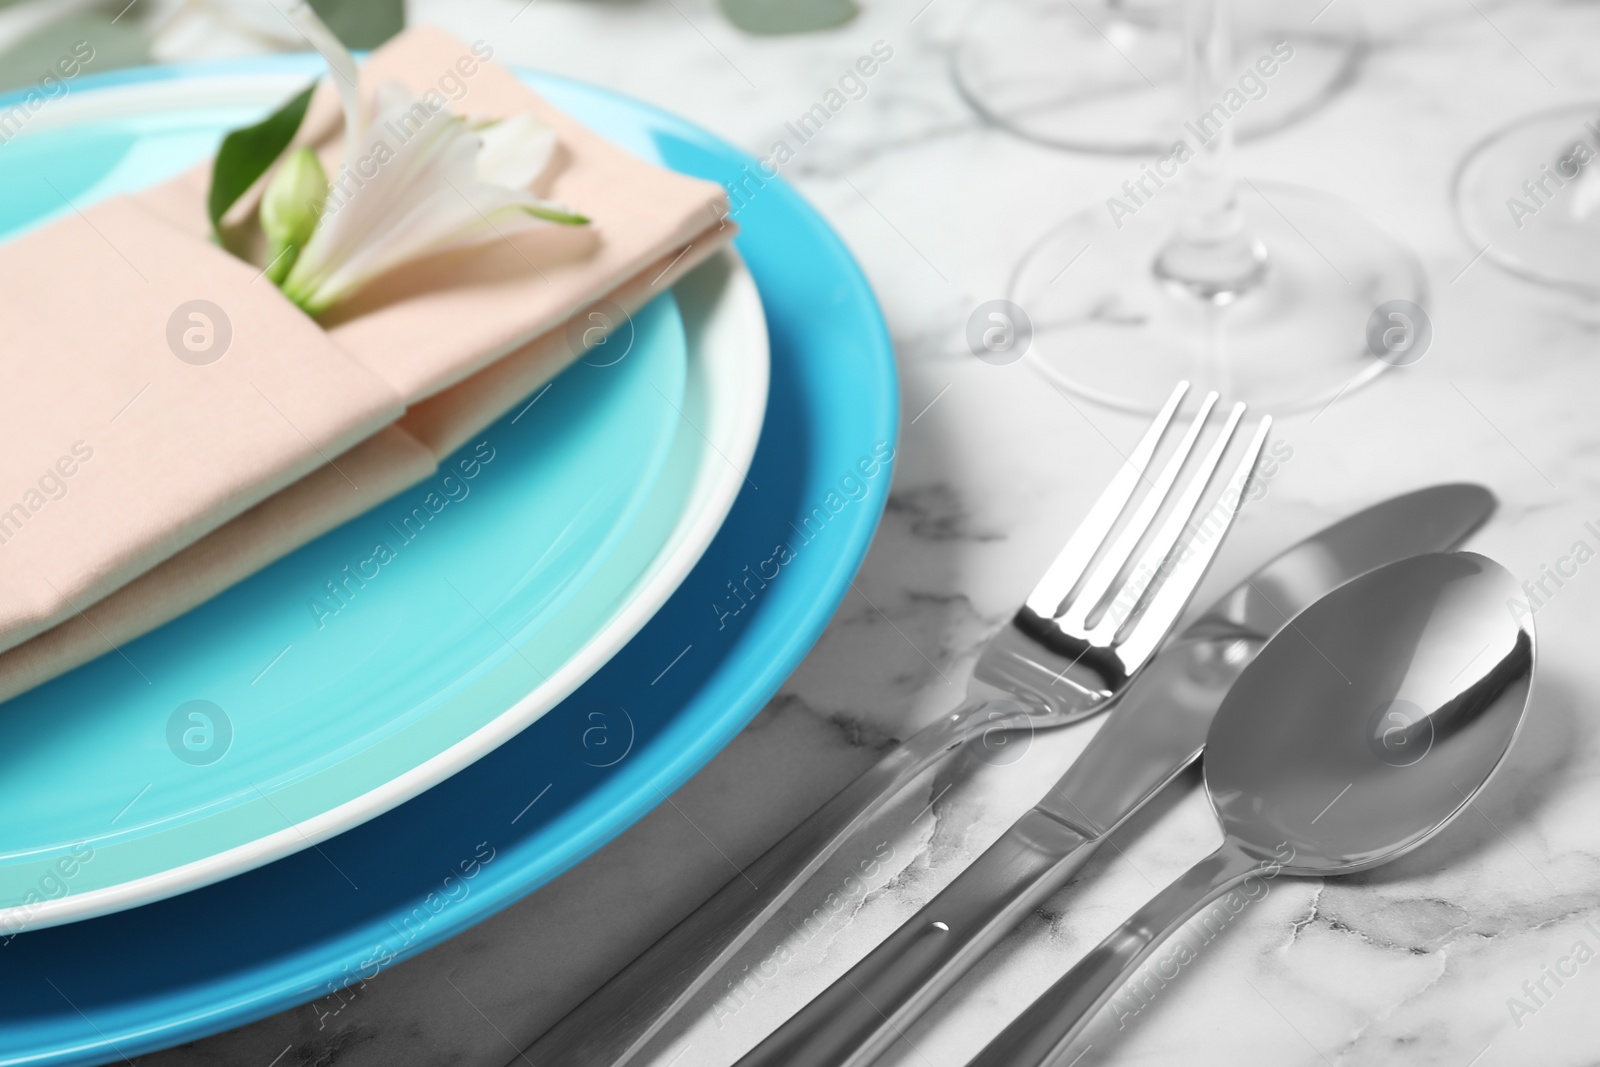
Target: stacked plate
point(356, 754)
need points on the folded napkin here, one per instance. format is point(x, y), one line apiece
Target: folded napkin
point(139, 476)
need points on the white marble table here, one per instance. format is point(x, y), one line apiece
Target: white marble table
point(1413, 964)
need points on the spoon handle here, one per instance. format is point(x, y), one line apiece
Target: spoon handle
point(1043, 1032)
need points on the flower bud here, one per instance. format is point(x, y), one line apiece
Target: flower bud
point(290, 208)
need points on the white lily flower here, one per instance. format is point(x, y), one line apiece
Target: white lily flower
point(414, 182)
point(514, 151)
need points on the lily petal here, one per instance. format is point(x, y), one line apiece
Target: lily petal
point(514, 151)
point(448, 219)
point(342, 64)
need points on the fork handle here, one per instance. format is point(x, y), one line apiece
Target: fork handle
point(610, 1028)
point(1041, 1034)
point(856, 1019)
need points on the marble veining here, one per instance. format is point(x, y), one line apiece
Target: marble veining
point(1465, 954)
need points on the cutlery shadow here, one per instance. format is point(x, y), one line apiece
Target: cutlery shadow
point(1009, 954)
point(1537, 767)
point(1535, 770)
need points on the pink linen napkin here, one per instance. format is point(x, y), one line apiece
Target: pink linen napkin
point(117, 452)
point(391, 461)
point(141, 473)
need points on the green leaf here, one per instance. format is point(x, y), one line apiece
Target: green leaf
point(787, 16)
point(362, 24)
point(246, 154)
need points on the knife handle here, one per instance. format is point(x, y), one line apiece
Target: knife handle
point(611, 1027)
point(856, 1019)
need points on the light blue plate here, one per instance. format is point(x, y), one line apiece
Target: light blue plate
point(293, 930)
point(351, 663)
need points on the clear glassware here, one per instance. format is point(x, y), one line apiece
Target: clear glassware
point(1263, 291)
point(1527, 197)
point(1106, 76)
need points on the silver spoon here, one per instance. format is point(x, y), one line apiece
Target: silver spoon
point(1361, 730)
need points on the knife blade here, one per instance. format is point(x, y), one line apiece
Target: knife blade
point(1152, 734)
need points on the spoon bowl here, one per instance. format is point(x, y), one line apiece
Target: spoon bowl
point(1369, 723)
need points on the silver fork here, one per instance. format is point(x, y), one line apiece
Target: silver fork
point(1066, 655)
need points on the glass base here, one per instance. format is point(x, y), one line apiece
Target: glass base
point(1107, 329)
point(1528, 197)
point(1106, 76)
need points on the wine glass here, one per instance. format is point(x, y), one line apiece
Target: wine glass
point(1269, 293)
point(1105, 76)
point(1527, 197)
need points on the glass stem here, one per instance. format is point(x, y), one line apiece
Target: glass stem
point(1211, 256)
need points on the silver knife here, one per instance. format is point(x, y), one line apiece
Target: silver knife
point(1157, 730)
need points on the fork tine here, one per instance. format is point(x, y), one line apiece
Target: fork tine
point(1111, 565)
point(1149, 566)
point(1173, 596)
point(1047, 596)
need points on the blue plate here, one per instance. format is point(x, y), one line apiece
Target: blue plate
point(291, 931)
